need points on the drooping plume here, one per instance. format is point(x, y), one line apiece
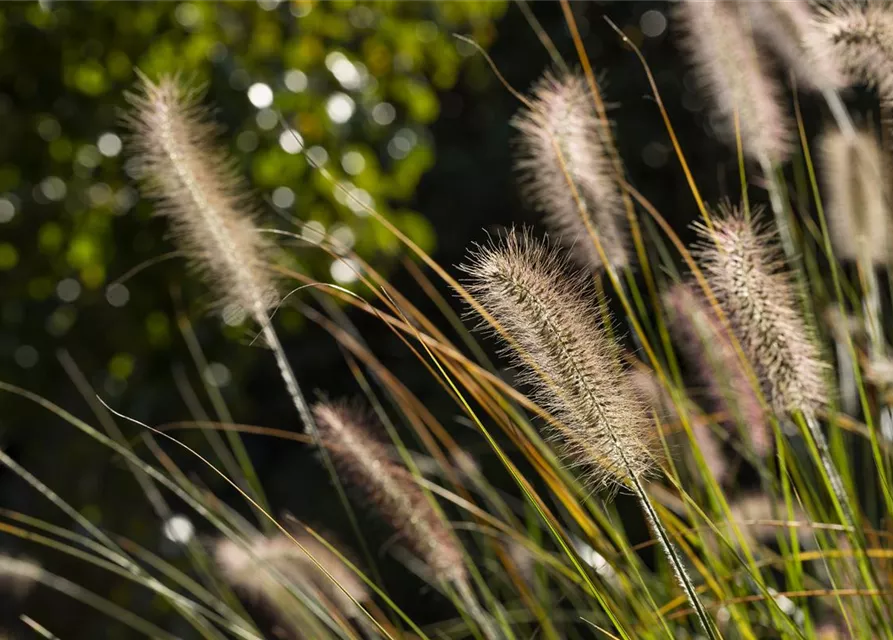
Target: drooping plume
point(197, 189)
point(365, 462)
point(857, 183)
point(741, 264)
point(574, 369)
point(562, 143)
point(735, 76)
point(273, 564)
point(789, 28)
point(727, 384)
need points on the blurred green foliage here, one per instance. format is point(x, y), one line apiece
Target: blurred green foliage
point(358, 82)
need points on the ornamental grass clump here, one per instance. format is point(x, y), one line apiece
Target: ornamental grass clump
point(518, 511)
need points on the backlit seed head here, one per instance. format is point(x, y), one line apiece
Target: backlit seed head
point(741, 263)
point(366, 463)
point(735, 75)
point(789, 28)
point(565, 171)
point(719, 368)
point(555, 335)
point(858, 196)
point(195, 186)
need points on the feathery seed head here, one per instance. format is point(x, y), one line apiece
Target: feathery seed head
point(707, 346)
point(561, 139)
point(732, 71)
point(574, 369)
point(366, 464)
point(741, 263)
point(860, 37)
point(197, 188)
point(789, 28)
point(858, 196)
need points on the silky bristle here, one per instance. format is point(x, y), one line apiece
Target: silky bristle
point(734, 74)
point(566, 173)
point(741, 263)
point(195, 186)
point(365, 462)
point(553, 333)
point(858, 191)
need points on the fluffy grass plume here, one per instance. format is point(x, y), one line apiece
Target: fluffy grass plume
point(573, 368)
point(858, 196)
point(245, 569)
point(717, 365)
point(860, 35)
point(561, 140)
point(743, 267)
point(734, 74)
point(365, 462)
point(789, 28)
point(196, 188)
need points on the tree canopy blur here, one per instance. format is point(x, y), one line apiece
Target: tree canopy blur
point(356, 86)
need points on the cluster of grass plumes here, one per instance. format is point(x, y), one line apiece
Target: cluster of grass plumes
point(507, 482)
